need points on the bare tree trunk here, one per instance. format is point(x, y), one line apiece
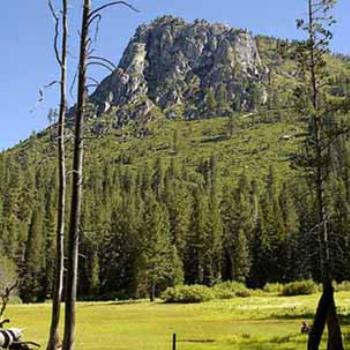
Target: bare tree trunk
point(335, 340)
point(73, 240)
point(320, 319)
point(54, 338)
point(326, 313)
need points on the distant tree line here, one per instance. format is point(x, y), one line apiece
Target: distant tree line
point(163, 223)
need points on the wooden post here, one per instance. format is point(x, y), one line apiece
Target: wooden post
point(174, 341)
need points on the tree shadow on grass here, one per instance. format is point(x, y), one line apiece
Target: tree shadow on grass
point(288, 342)
point(306, 315)
point(290, 316)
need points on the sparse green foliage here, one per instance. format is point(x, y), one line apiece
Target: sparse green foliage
point(300, 288)
point(187, 294)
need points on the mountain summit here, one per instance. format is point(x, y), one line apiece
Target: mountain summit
point(173, 65)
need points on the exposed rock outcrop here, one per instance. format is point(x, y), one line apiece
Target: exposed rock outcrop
point(174, 63)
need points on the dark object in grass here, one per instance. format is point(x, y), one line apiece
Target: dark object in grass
point(305, 328)
point(11, 339)
point(24, 346)
point(4, 322)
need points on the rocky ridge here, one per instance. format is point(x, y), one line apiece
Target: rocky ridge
point(171, 65)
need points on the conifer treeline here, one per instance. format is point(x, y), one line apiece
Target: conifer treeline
point(156, 225)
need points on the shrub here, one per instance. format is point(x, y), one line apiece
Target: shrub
point(229, 290)
point(221, 293)
point(300, 288)
point(273, 288)
point(343, 287)
point(257, 293)
point(187, 294)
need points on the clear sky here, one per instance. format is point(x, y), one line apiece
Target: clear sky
point(27, 62)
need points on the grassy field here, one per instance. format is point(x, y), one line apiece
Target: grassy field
point(267, 322)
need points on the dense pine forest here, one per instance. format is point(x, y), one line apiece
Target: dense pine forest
point(223, 197)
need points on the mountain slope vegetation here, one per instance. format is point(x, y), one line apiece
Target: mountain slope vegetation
point(169, 199)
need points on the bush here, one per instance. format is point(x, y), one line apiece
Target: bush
point(273, 288)
point(300, 288)
point(257, 293)
point(221, 293)
point(187, 294)
point(229, 290)
point(343, 287)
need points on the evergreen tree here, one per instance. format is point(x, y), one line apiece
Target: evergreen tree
point(222, 100)
point(177, 203)
point(238, 210)
point(241, 257)
point(213, 245)
point(118, 251)
point(31, 288)
point(237, 103)
point(95, 274)
point(155, 261)
point(289, 248)
point(210, 101)
point(158, 178)
point(195, 266)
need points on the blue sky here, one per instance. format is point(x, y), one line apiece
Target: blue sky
point(27, 62)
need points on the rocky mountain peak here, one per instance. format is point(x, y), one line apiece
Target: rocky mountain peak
point(172, 63)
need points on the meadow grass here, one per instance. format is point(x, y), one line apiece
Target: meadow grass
point(264, 322)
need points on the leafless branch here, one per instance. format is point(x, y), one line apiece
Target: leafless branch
point(54, 82)
point(23, 345)
point(100, 64)
point(93, 85)
point(93, 80)
point(98, 58)
point(41, 94)
point(91, 51)
point(98, 19)
point(112, 3)
point(5, 298)
point(56, 36)
point(88, 44)
point(4, 322)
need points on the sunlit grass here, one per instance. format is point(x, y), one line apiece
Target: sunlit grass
point(267, 322)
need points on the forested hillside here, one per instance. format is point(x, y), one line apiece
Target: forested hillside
point(170, 200)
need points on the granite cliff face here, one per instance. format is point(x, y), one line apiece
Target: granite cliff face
point(171, 64)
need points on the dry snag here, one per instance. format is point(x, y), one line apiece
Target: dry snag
point(88, 18)
point(61, 57)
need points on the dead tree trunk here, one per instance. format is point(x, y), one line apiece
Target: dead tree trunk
point(73, 239)
point(54, 338)
point(335, 341)
point(317, 329)
point(326, 308)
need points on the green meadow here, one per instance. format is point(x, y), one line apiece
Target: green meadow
point(256, 323)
